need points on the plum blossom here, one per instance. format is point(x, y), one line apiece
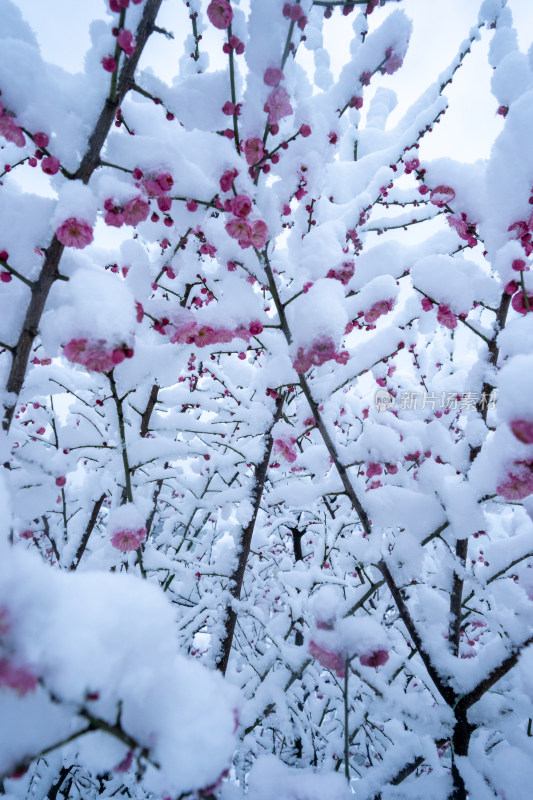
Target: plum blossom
point(50, 165)
point(375, 658)
point(96, 356)
point(379, 309)
point(253, 151)
point(135, 211)
point(328, 658)
point(127, 539)
point(519, 304)
point(241, 205)
point(75, 232)
point(41, 139)
point(373, 469)
point(523, 430)
point(259, 234)
point(239, 228)
point(446, 317)
point(321, 350)
point(441, 195)
point(278, 105)
point(393, 62)
point(109, 64)
point(344, 274)
point(518, 484)
point(126, 41)
point(284, 446)
point(226, 181)
point(273, 76)
point(16, 677)
point(220, 13)
point(9, 129)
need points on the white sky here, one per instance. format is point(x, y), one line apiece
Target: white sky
point(439, 26)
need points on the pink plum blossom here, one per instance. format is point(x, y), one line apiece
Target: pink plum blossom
point(75, 232)
point(126, 41)
point(519, 304)
point(255, 328)
point(379, 309)
point(519, 484)
point(253, 151)
point(374, 658)
point(239, 228)
point(459, 224)
point(278, 105)
point(226, 181)
point(393, 62)
point(41, 139)
point(523, 430)
point(344, 274)
point(427, 305)
point(16, 677)
point(135, 211)
point(273, 76)
point(241, 205)
point(220, 13)
point(446, 317)
point(10, 130)
point(328, 658)
point(259, 234)
point(284, 446)
point(109, 64)
point(373, 469)
point(50, 165)
point(441, 195)
point(128, 539)
point(96, 356)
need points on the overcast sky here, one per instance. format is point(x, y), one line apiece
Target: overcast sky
point(439, 26)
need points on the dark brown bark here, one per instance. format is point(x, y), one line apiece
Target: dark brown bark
point(147, 413)
point(456, 598)
point(90, 161)
point(88, 530)
point(237, 578)
point(445, 691)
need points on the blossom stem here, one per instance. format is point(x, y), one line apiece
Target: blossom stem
point(346, 728)
point(524, 293)
point(122, 430)
point(114, 76)
point(233, 93)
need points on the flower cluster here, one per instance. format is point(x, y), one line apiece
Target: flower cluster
point(465, 229)
point(133, 212)
point(295, 13)
point(522, 230)
point(321, 350)
point(9, 128)
point(188, 331)
point(96, 356)
point(344, 273)
point(378, 310)
point(15, 677)
point(392, 63)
